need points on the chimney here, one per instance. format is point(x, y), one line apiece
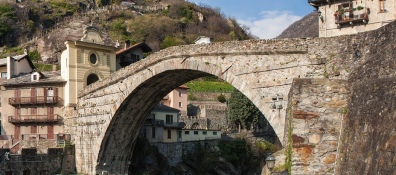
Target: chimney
point(127, 44)
point(25, 51)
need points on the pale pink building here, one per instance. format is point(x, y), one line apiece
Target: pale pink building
point(177, 99)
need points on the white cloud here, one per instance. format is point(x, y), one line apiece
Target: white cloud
point(271, 24)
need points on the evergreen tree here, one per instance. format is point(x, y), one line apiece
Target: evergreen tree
point(242, 111)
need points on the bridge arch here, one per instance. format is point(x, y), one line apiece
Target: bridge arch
point(111, 111)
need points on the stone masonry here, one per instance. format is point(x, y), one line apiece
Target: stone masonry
point(316, 110)
point(111, 111)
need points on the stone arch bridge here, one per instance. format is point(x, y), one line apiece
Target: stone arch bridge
point(111, 111)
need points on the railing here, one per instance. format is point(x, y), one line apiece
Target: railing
point(34, 100)
point(38, 136)
point(161, 123)
point(13, 158)
point(343, 19)
point(155, 122)
point(34, 119)
point(172, 124)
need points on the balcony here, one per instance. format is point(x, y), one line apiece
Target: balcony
point(154, 122)
point(162, 123)
point(358, 18)
point(317, 3)
point(34, 100)
point(34, 119)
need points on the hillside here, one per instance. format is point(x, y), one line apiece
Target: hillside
point(306, 27)
point(45, 25)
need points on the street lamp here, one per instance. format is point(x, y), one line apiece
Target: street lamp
point(270, 161)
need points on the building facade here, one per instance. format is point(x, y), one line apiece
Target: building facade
point(32, 106)
point(177, 99)
point(162, 125)
point(84, 62)
point(343, 17)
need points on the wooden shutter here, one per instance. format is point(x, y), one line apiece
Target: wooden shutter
point(45, 95)
point(17, 132)
point(33, 113)
point(50, 113)
point(33, 95)
point(50, 132)
point(17, 95)
point(55, 94)
point(33, 129)
point(17, 112)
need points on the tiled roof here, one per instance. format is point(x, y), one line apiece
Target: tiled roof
point(47, 77)
point(144, 47)
point(3, 61)
point(183, 87)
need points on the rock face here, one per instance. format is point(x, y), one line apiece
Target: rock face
point(306, 27)
point(369, 136)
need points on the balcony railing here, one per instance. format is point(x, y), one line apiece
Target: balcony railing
point(343, 19)
point(155, 122)
point(34, 100)
point(34, 119)
point(161, 123)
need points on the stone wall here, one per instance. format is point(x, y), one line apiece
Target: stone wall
point(369, 134)
point(212, 115)
point(55, 161)
point(314, 123)
point(174, 152)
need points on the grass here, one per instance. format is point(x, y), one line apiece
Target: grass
point(209, 86)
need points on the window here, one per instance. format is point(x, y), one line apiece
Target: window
point(214, 133)
point(204, 133)
point(381, 5)
point(195, 132)
point(93, 59)
point(92, 78)
point(169, 119)
point(180, 94)
point(153, 132)
point(180, 104)
point(4, 75)
point(187, 132)
point(169, 134)
point(179, 134)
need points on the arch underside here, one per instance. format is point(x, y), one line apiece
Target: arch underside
point(127, 121)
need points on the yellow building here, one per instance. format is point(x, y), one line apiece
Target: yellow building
point(340, 17)
point(84, 62)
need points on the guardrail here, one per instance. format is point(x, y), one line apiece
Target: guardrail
point(34, 100)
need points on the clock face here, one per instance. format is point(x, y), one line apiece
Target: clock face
point(93, 59)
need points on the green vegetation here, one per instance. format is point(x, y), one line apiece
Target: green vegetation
point(265, 146)
point(221, 98)
point(242, 111)
point(238, 152)
point(289, 150)
point(209, 86)
point(171, 41)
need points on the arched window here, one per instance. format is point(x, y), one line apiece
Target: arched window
point(92, 78)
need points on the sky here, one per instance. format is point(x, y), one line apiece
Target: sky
point(266, 19)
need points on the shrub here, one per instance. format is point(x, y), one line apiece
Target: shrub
point(221, 98)
point(191, 96)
